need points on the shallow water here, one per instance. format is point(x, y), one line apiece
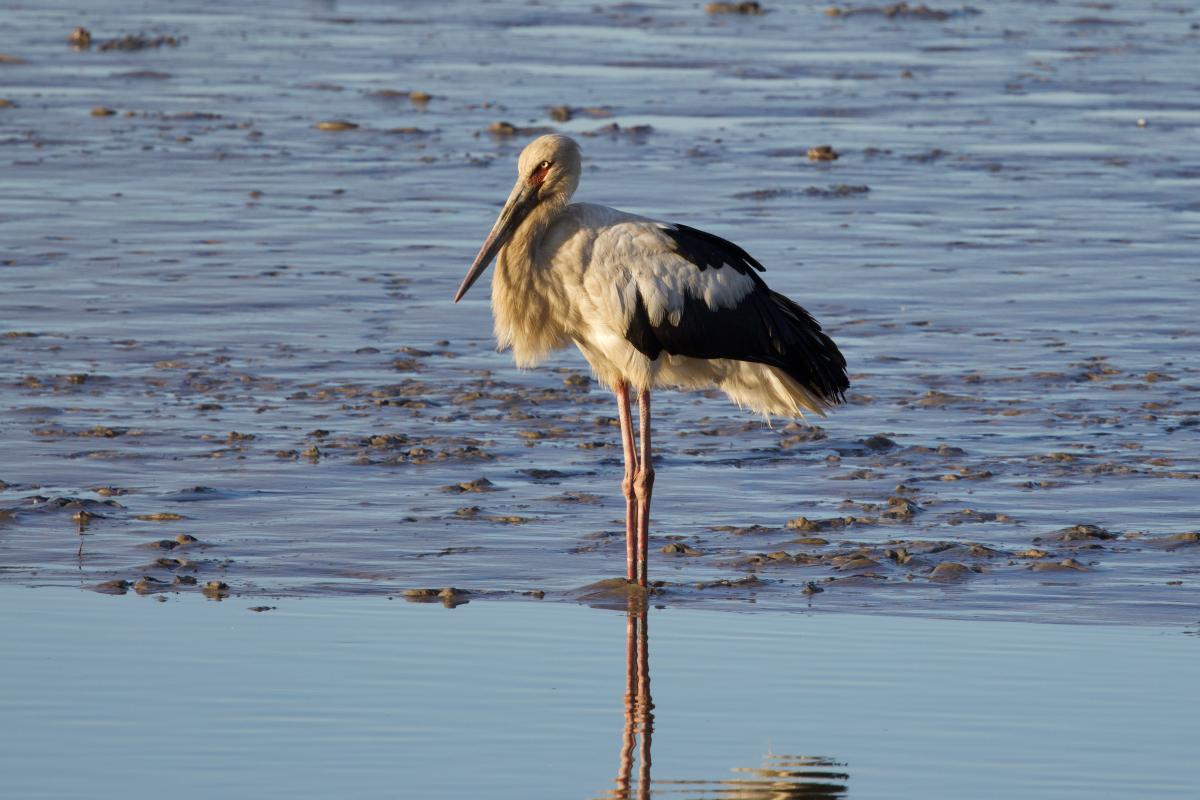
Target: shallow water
point(204, 290)
point(323, 697)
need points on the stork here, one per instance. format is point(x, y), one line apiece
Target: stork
point(649, 304)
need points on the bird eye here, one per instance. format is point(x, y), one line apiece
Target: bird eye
point(545, 165)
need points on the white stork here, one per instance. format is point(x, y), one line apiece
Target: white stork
point(649, 304)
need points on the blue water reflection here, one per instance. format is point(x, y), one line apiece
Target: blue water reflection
point(368, 697)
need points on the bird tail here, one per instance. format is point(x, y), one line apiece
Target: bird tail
point(804, 353)
point(806, 371)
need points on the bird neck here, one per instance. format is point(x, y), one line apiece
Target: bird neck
point(526, 299)
point(522, 249)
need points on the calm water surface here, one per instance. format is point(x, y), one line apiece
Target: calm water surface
point(366, 697)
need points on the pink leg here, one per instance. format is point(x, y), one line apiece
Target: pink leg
point(631, 464)
point(643, 487)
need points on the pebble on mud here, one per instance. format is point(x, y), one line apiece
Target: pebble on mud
point(162, 544)
point(749, 8)
point(878, 443)
point(147, 584)
point(1081, 533)
point(950, 571)
point(101, 111)
point(184, 539)
point(680, 549)
point(1066, 565)
point(216, 589)
point(80, 38)
point(448, 596)
point(112, 587)
point(164, 516)
point(478, 485)
point(900, 508)
point(822, 152)
point(336, 125)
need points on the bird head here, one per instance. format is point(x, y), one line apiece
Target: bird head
point(547, 175)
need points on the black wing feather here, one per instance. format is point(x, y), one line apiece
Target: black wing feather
point(764, 327)
point(706, 250)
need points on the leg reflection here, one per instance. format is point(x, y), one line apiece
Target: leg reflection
point(639, 707)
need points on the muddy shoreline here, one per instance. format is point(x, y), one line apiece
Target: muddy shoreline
point(226, 317)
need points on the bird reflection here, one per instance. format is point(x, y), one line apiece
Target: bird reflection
point(781, 777)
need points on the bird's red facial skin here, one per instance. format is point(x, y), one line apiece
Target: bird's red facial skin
point(539, 176)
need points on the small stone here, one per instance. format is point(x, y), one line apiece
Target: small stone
point(80, 38)
point(478, 485)
point(748, 8)
point(216, 589)
point(680, 549)
point(878, 443)
point(950, 571)
point(336, 125)
point(822, 152)
point(112, 587)
point(901, 508)
point(101, 111)
point(560, 113)
point(148, 584)
point(1066, 565)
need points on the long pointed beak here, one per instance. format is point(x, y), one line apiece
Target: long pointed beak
point(520, 202)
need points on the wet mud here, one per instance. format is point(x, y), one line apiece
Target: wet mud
point(229, 363)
